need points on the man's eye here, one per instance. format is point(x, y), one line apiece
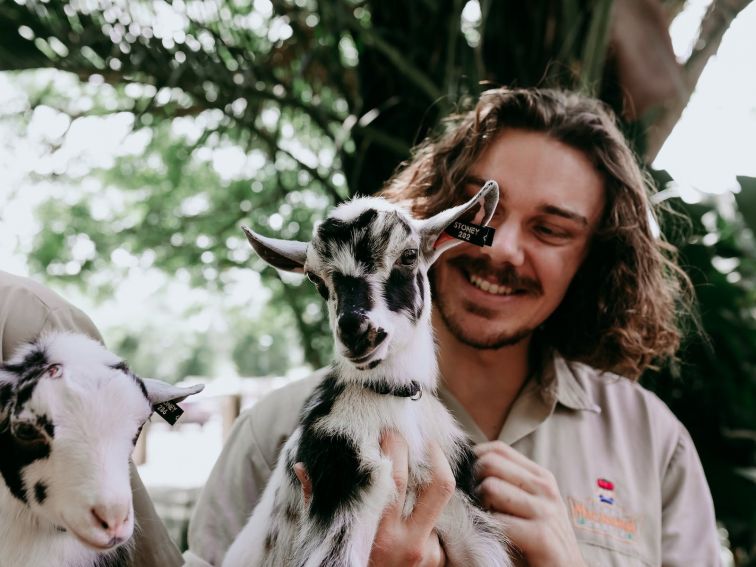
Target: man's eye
point(551, 232)
point(27, 433)
point(408, 257)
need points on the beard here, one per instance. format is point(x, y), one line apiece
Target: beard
point(450, 314)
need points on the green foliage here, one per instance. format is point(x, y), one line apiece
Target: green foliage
point(713, 388)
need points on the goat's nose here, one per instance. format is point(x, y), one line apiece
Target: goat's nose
point(354, 332)
point(352, 325)
point(112, 518)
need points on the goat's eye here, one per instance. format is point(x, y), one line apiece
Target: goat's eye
point(27, 433)
point(408, 257)
point(319, 284)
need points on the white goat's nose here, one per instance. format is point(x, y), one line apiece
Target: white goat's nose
point(112, 518)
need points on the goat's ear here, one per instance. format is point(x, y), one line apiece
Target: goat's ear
point(159, 391)
point(287, 255)
point(477, 210)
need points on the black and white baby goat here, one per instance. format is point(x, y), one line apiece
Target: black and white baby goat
point(70, 413)
point(369, 260)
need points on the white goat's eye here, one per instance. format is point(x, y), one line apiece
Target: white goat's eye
point(408, 257)
point(27, 433)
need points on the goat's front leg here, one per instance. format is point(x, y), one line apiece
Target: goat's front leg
point(348, 540)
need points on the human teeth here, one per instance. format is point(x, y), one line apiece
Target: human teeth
point(490, 287)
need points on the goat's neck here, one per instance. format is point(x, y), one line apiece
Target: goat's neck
point(413, 361)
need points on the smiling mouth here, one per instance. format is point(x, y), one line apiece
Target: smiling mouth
point(502, 282)
point(492, 288)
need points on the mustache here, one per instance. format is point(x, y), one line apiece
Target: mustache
point(505, 275)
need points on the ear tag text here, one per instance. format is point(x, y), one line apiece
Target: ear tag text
point(473, 233)
point(169, 411)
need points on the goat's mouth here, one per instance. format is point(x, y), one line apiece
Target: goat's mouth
point(371, 359)
point(94, 538)
point(98, 545)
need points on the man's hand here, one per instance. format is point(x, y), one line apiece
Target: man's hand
point(408, 541)
point(525, 498)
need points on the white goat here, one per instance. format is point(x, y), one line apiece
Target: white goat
point(70, 413)
point(369, 259)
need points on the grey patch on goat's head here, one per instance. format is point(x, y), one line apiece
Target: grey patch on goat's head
point(69, 411)
point(369, 260)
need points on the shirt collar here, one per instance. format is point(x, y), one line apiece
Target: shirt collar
point(563, 381)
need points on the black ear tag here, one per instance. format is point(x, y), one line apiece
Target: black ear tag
point(169, 411)
point(473, 233)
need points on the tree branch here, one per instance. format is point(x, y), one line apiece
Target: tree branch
point(415, 75)
point(714, 24)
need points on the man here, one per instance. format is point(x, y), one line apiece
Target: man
point(28, 309)
point(583, 466)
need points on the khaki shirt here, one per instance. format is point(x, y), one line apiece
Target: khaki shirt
point(626, 467)
point(26, 310)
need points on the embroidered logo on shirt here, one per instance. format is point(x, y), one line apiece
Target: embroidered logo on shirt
point(603, 515)
point(605, 491)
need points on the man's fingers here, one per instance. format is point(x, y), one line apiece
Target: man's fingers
point(508, 453)
point(491, 463)
point(395, 448)
point(500, 496)
point(516, 468)
point(304, 480)
point(432, 498)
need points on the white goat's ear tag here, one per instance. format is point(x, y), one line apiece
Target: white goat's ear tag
point(169, 411)
point(473, 233)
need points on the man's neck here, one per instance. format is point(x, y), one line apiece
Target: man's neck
point(485, 381)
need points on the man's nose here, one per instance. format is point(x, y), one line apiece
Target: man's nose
point(507, 247)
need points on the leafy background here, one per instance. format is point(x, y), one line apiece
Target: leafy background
point(218, 113)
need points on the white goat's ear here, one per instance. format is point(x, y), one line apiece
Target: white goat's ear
point(477, 210)
point(159, 391)
point(286, 255)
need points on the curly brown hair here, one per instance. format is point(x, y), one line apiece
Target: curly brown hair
point(621, 312)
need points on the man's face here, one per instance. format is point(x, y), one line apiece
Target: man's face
point(551, 202)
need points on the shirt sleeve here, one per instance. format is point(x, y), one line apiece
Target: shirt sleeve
point(689, 532)
point(235, 485)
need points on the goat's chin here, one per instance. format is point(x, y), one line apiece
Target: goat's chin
point(96, 539)
point(371, 360)
point(100, 543)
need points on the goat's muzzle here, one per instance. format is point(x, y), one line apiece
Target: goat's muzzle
point(358, 335)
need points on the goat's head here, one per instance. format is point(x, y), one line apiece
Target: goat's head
point(369, 260)
point(70, 413)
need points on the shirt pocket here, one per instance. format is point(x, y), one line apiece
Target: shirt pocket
point(609, 536)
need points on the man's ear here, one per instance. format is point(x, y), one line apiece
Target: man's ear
point(478, 210)
point(159, 391)
point(286, 255)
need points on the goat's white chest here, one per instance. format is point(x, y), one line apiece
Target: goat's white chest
point(363, 416)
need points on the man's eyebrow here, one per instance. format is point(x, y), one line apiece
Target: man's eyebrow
point(564, 213)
